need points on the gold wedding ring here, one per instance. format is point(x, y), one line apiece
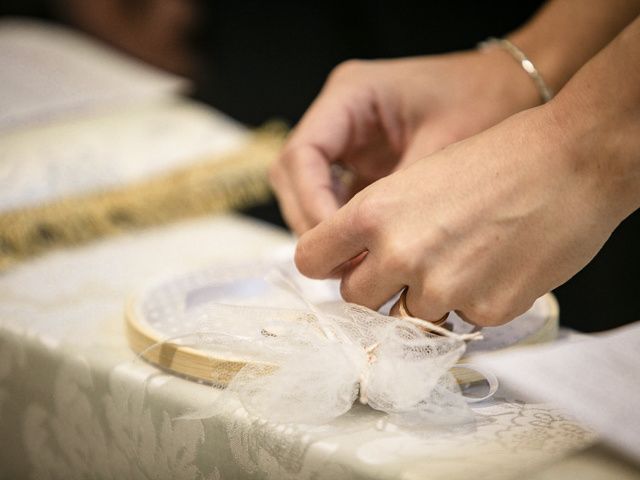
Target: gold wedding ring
point(400, 309)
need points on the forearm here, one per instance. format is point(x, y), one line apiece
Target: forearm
point(565, 34)
point(598, 121)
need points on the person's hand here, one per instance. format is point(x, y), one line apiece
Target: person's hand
point(374, 117)
point(483, 227)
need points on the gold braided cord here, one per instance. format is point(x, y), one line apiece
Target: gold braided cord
point(234, 180)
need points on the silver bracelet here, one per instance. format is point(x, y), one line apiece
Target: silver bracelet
point(545, 92)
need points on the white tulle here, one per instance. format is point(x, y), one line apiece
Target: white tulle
point(310, 366)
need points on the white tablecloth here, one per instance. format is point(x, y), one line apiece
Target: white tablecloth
point(74, 402)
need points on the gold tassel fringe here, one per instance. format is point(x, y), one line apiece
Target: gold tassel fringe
point(236, 180)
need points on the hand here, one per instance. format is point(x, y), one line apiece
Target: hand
point(375, 117)
point(482, 227)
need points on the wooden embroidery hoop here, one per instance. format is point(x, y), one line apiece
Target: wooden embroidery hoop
point(206, 367)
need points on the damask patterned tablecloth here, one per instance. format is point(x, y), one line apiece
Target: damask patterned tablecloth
point(75, 402)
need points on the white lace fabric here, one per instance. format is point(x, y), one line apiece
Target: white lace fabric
point(310, 366)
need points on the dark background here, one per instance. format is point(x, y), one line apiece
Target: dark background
point(270, 59)
point(257, 61)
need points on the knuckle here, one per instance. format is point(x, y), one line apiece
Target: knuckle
point(526, 305)
point(302, 258)
point(347, 69)
point(484, 314)
point(428, 292)
point(432, 296)
point(520, 308)
point(501, 316)
point(443, 283)
point(512, 303)
point(288, 157)
point(429, 305)
point(348, 291)
point(358, 287)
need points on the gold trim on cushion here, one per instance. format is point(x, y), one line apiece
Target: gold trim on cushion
point(234, 180)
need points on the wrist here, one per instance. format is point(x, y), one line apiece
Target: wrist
point(464, 92)
point(503, 82)
point(600, 146)
point(595, 125)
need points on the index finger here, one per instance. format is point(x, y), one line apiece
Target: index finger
point(308, 173)
point(321, 138)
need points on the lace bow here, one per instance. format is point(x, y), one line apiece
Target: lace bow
point(310, 366)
